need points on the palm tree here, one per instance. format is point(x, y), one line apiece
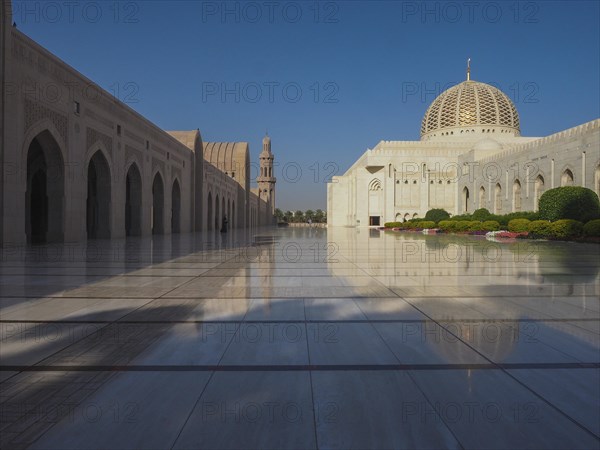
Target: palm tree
point(288, 216)
point(298, 216)
point(319, 216)
point(279, 215)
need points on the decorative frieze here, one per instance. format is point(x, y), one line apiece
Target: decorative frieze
point(36, 111)
point(94, 136)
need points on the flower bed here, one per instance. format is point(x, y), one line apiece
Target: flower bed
point(503, 234)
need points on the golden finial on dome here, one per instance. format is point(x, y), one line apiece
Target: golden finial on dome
point(469, 69)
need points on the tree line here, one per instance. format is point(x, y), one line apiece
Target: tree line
point(318, 216)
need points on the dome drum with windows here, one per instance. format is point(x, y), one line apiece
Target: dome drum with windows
point(470, 109)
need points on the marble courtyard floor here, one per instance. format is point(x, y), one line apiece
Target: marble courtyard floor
point(300, 338)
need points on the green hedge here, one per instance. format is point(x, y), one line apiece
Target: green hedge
point(540, 227)
point(481, 214)
point(464, 225)
point(426, 224)
point(592, 228)
point(519, 225)
point(475, 225)
point(566, 228)
point(447, 225)
point(392, 224)
point(491, 225)
point(569, 202)
point(437, 215)
point(410, 225)
point(501, 219)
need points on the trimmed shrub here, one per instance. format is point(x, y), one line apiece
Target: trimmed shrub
point(463, 225)
point(461, 217)
point(481, 214)
point(539, 227)
point(519, 225)
point(392, 224)
point(569, 202)
point(592, 228)
point(426, 224)
point(566, 228)
point(504, 219)
point(476, 225)
point(447, 225)
point(491, 225)
point(437, 215)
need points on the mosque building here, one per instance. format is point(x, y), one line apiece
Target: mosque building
point(471, 155)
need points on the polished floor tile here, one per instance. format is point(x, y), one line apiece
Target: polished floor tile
point(397, 340)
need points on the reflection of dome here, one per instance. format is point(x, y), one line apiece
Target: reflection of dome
point(470, 107)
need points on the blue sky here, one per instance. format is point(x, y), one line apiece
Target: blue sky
point(326, 79)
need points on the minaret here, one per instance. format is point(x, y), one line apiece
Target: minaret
point(266, 180)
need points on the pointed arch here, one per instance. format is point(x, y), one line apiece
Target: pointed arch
point(133, 201)
point(209, 212)
point(538, 191)
point(375, 185)
point(567, 178)
point(45, 187)
point(175, 207)
point(98, 200)
point(498, 199)
point(482, 198)
point(517, 196)
point(158, 204)
point(217, 213)
point(465, 199)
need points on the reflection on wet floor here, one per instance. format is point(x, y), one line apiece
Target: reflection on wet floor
point(301, 338)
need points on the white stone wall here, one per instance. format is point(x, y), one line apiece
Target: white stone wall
point(399, 180)
point(576, 149)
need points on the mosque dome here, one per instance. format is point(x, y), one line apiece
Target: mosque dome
point(470, 109)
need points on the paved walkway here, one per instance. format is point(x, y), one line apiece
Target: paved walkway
point(300, 338)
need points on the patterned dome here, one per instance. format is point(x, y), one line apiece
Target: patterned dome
point(470, 107)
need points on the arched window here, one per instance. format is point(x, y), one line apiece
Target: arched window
point(482, 198)
point(465, 198)
point(375, 185)
point(498, 199)
point(567, 178)
point(538, 191)
point(516, 196)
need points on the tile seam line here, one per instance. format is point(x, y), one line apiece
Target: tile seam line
point(551, 405)
point(299, 367)
point(413, 380)
point(108, 323)
point(367, 320)
point(193, 408)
